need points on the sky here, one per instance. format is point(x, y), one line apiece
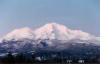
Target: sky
point(76, 14)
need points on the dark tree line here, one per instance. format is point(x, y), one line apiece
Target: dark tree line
point(10, 59)
point(22, 59)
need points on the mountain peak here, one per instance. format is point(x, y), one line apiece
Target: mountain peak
point(48, 31)
point(51, 31)
point(54, 24)
point(16, 34)
point(60, 32)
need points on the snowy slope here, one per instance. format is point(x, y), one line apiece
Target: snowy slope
point(19, 34)
point(60, 32)
point(51, 36)
point(49, 31)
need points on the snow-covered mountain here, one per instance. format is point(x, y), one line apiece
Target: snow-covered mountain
point(49, 31)
point(50, 37)
point(50, 40)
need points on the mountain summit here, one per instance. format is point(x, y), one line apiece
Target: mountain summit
point(50, 37)
point(48, 31)
point(60, 32)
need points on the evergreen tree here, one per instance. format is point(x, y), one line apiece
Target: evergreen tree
point(10, 58)
point(20, 58)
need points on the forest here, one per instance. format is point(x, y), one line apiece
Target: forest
point(22, 59)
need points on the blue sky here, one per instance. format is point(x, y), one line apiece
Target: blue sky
point(75, 14)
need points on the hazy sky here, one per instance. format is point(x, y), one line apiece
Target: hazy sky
point(75, 14)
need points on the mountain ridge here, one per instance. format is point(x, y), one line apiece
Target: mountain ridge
point(49, 31)
point(50, 37)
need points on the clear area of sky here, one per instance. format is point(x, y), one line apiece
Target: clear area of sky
point(75, 14)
